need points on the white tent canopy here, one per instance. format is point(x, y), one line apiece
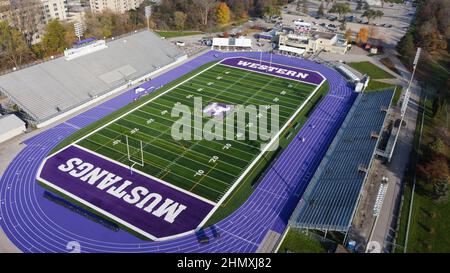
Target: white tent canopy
point(232, 42)
point(291, 49)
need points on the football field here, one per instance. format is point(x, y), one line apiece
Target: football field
point(204, 168)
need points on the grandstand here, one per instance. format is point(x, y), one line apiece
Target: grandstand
point(331, 198)
point(51, 90)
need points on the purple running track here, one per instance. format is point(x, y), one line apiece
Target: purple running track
point(35, 224)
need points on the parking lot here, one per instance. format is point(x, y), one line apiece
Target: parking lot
point(397, 16)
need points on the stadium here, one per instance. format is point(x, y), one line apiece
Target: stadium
point(113, 179)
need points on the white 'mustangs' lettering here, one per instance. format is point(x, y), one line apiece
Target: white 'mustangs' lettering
point(135, 195)
point(156, 200)
point(171, 209)
point(70, 164)
point(120, 191)
point(94, 176)
point(83, 168)
point(108, 181)
point(139, 196)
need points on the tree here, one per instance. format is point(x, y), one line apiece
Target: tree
point(54, 40)
point(359, 5)
point(436, 169)
point(363, 35)
point(305, 6)
point(13, 45)
point(179, 20)
point(440, 188)
point(223, 14)
point(271, 11)
point(70, 36)
point(343, 25)
point(341, 9)
point(438, 146)
point(298, 5)
point(406, 46)
point(321, 10)
point(373, 32)
point(26, 16)
point(366, 5)
point(348, 36)
point(205, 7)
point(372, 14)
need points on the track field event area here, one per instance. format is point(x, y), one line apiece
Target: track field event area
point(133, 171)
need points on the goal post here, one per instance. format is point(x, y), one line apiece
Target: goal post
point(132, 161)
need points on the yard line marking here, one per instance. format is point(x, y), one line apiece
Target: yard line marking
point(205, 175)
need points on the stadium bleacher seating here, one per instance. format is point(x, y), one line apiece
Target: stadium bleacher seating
point(332, 195)
point(51, 88)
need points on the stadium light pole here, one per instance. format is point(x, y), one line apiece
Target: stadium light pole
point(406, 101)
point(408, 90)
point(261, 56)
point(148, 14)
point(270, 66)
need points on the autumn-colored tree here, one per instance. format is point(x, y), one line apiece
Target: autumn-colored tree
point(373, 32)
point(244, 15)
point(179, 20)
point(223, 14)
point(363, 35)
point(348, 36)
point(436, 169)
point(13, 46)
point(70, 36)
point(54, 40)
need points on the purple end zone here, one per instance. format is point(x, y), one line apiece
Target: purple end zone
point(292, 73)
point(69, 170)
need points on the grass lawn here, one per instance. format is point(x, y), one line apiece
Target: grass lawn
point(173, 34)
point(389, 64)
point(370, 69)
point(298, 242)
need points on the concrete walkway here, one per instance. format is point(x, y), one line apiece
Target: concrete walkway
point(383, 231)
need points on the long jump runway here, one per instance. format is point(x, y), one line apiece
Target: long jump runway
point(35, 224)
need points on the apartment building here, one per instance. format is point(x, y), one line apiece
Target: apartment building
point(117, 6)
point(54, 9)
